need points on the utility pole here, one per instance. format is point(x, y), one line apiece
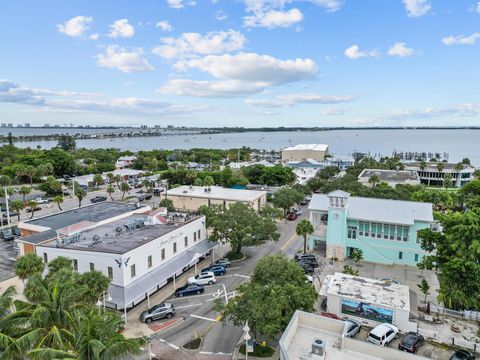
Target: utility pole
point(6, 204)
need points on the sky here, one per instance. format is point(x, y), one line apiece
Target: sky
point(250, 63)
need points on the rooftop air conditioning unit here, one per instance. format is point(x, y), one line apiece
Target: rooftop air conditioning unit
point(185, 191)
point(318, 347)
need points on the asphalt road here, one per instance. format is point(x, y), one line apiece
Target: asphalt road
point(198, 311)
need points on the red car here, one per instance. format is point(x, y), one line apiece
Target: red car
point(292, 216)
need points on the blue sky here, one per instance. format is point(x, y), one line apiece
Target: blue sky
point(240, 62)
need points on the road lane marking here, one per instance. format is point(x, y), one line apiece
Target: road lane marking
point(219, 317)
point(169, 344)
point(187, 306)
point(244, 276)
point(203, 318)
point(288, 242)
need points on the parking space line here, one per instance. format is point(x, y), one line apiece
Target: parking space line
point(244, 276)
point(187, 306)
point(203, 318)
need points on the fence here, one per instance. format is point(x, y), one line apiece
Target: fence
point(464, 314)
point(428, 334)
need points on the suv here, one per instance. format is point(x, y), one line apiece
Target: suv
point(301, 256)
point(160, 311)
point(97, 199)
point(309, 261)
point(6, 234)
point(204, 278)
point(462, 355)
point(351, 328)
point(382, 334)
point(216, 269)
point(223, 262)
point(411, 342)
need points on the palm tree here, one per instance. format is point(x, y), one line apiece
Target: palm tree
point(304, 228)
point(97, 180)
point(5, 180)
point(124, 188)
point(29, 265)
point(110, 191)
point(208, 181)
point(80, 194)
point(32, 204)
point(58, 200)
point(17, 205)
point(459, 166)
point(25, 190)
point(29, 172)
point(424, 288)
point(60, 262)
point(117, 179)
point(6, 300)
point(440, 167)
point(95, 283)
point(423, 165)
point(110, 177)
point(374, 180)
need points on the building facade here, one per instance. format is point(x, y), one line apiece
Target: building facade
point(301, 152)
point(433, 173)
point(390, 177)
point(385, 230)
point(191, 198)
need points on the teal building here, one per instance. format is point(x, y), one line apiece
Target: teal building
point(385, 230)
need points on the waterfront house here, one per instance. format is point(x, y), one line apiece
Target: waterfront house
point(385, 230)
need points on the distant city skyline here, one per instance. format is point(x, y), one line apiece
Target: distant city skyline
point(250, 63)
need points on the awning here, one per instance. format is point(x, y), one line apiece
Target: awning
point(122, 295)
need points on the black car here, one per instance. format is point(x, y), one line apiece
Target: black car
point(38, 208)
point(12, 214)
point(462, 355)
point(97, 199)
point(309, 261)
point(161, 311)
point(189, 289)
point(148, 196)
point(411, 342)
point(307, 268)
point(304, 256)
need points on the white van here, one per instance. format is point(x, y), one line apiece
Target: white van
point(382, 334)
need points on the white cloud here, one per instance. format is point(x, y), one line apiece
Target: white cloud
point(400, 49)
point(478, 7)
point(417, 8)
point(76, 26)
point(272, 13)
point(192, 44)
point(461, 39)
point(239, 74)
point(164, 25)
point(220, 15)
point(354, 52)
point(121, 28)
point(462, 110)
point(176, 4)
point(334, 111)
point(294, 99)
point(116, 57)
point(94, 37)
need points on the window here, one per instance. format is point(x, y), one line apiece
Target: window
point(399, 232)
point(367, 229)
point(392, 232)
point(386, 231)
point(352, 232)
point(374, 230)
point(400, 255)
point(405, 233)
point(132, 271)
point(45, 258)
point(198, 234)
point(75, 264)
point(110, 272)
point(194, 236)
point(416, 257)
point(92, 266)
point(361, 227)
point(379, 231)
point(175, 247)
point(149, 261)
point(163, 254)
point(186, 241)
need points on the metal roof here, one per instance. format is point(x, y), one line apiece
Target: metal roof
point(216, 192)
point(313, 147)
point(390, 175)
point(122, 295)
point(379, 210)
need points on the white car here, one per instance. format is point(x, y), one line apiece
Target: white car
point(204, 278)
point(41, 201)
point(382, 334)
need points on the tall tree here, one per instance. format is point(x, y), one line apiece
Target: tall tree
point(6, 300)
point(110, 190)
point(29, 265)
point(67, 143)
point(58, 200)
point(28, 172)
point(424, 287)
point(94, 283)
point(124, 187)
point(80, 194)
point(25, 190)
point(286, 197)
point(304, 228)
point(97, 180)
point(374, 180)
point(32, 204)
point(17, 205)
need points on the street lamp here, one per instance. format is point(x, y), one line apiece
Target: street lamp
point(246, 337)
point(99, 303)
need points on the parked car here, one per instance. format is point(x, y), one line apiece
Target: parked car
point(300, 256)
point(309, 261)
point(6, 234)
point(16, 231)
point(97, 199)
point(382, 334)
point(12, 214)
point(303, 202)
point(158, 191)
point(297, 211)
point(411, 342)
point(140, 197)
point(292, 217)
point(37, 208)
point(308, 279)
point(41, 201)
point(148, 196)
point(351, 328)
point(204, 278)
point(462, 355)
point(189, 289)
point(218, 270)
point(307, 268)
point(224, 262)
point(161, 311)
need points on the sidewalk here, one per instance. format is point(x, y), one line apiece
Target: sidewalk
point(15, 281)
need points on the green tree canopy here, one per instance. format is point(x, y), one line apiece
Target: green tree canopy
point(286, 197)
point(28, 265)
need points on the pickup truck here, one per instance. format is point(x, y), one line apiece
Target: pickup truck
point(41, 201)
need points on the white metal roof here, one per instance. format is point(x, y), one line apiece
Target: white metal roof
point(217, 192)
point(371, 291)
point(314, 147)
point(379, 210)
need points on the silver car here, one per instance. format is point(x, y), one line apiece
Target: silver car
point(165, 310)
point(351, 328)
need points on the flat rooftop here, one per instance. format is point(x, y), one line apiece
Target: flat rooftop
point(432, 166)
point(312, 147)
point(217, 192)
point(390, 175)
point(117, 237)
point(371, 291)
point(91, 213)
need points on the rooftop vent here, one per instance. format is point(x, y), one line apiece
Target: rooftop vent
point(318, 347)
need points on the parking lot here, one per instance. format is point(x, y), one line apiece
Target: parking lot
point(7, 260)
